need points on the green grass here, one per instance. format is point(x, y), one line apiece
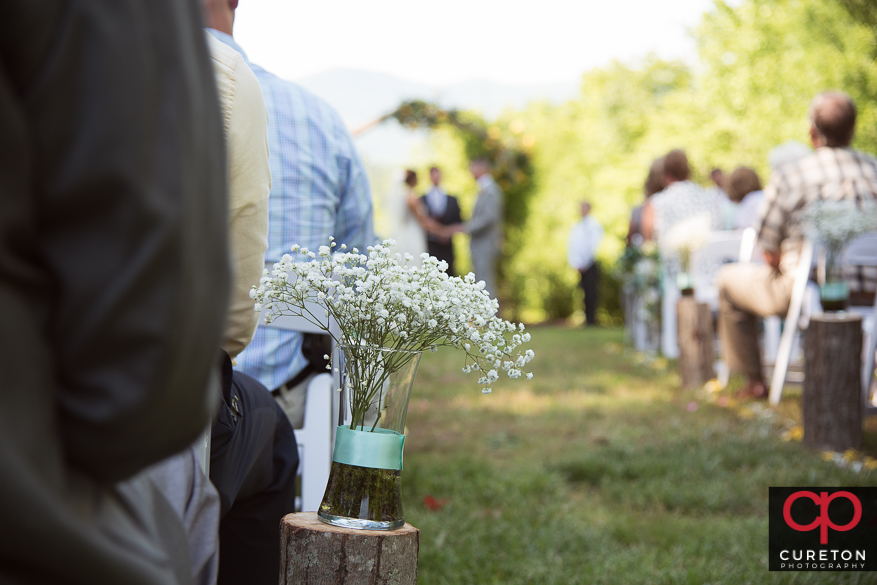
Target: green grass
point(596, 472)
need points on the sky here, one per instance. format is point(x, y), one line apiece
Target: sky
point(440, 43)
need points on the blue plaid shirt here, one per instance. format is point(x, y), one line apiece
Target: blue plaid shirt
point(319, 188)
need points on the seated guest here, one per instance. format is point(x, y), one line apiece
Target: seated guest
point(680, 200)
point(236, 451)
point(727, 206)
point(832, 172)
point(319, 189)
point(744, 189)
point(654, 184)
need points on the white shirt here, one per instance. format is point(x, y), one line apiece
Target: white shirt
point(682, 200)
point(484, 180)
point(584, 239)
point(437, 200)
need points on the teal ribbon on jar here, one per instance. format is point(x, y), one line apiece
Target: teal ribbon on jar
point(378, 449)
point(684, 281)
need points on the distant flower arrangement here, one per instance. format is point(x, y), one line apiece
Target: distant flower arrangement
point(639, 268)
point(836, 223)
point(687, 236)
point(381, 301)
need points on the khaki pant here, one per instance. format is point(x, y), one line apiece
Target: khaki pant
point(748, 292)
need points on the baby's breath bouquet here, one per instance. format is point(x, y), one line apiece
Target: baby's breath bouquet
point(388, 311)
point(682, 240)
point(834, 224)
point(382, 300)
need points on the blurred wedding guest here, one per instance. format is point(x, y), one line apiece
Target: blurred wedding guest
point(832, 172)
point(113, 282)
point(680, 200)
point(654, 184)
point(408, 217)
point(181, 478)
point(727, 206)
point(444, 209)
point(319, 189)
point(584, 239)
point(744, 189)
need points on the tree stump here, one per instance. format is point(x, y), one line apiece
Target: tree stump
point(832, 402)
point(314, 553)
point(696, 338)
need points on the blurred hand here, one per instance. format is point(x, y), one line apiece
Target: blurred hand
point(772, 259)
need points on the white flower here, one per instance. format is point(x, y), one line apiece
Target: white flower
point(836, 223)
point(378, 300)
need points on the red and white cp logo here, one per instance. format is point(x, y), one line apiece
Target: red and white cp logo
point(823, 521)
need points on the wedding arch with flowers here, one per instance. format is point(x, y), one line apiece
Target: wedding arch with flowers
point(511, 156)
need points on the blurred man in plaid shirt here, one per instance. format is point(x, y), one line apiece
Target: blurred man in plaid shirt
point(833, 172)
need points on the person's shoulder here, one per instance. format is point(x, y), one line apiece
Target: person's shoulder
point(310, 101)
point(863, 158)
point(225, 58)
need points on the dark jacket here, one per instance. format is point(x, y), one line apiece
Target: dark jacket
point(443, 250)
point(113, 280)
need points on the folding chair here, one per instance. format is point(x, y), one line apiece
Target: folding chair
point(790, 330)
point(669, 295)
point(863, 252)
point(722, 248)
point(317, 435)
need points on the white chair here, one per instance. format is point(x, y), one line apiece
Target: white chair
point(790, 329)
point(317, 435)
point(863, 252)
point(722, 248)
point(669, 296)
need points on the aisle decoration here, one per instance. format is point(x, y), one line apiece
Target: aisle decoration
point(639, 270)
point(683, 239)
point(389, 312)
point(834, 224)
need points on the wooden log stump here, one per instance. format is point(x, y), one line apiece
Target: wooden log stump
point(314, 553)
point(832, 402)
point(695, 335)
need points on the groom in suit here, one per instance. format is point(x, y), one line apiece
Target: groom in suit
point(445, 209)
point(485, 225)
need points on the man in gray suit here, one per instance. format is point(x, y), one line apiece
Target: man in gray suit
point(485, 225)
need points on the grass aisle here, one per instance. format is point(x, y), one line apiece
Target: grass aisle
point(599, 470)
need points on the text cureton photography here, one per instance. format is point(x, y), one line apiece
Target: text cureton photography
point(823, 529)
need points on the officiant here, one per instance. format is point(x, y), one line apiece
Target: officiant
point(584, 239)
point(445, 209)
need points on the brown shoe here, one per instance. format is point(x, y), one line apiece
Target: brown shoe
point(755, 390)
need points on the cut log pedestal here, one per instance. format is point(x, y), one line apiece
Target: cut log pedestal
point(696, 338)
point(832, 403)
point(314, 553)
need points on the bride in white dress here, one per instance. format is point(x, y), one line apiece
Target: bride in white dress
point(408, 219)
